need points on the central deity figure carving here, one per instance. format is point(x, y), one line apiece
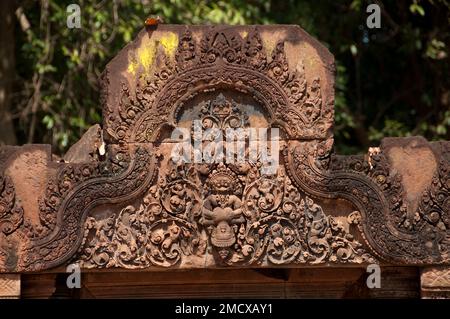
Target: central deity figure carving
point(222, 209)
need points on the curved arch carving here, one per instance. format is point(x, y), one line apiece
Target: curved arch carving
point(185, 86)
point(79, 191)
point(222, 58)
point(375, 193)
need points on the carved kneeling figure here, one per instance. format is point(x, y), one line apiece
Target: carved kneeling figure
point(221, 210)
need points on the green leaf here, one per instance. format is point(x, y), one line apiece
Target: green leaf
point(416, 8)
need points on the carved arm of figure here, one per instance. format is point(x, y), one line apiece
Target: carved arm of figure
point(207, 213)
point(236, 203)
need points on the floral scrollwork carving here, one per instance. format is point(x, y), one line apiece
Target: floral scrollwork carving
point(11, 213)
point(73, 190)
point(220, 58)
point(221, 213)
point(135, 206)
point(394, 234)
point(294, 230)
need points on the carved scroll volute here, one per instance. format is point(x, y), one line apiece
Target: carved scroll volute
point(378, 194)
point(71, 194)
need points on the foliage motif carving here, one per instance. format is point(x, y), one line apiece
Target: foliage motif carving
point(393, 234)
point(11, 213)
point(221, 58)
point(63, 210)
point(241, 215)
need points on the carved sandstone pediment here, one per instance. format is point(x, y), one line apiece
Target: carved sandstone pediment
point(289, 202)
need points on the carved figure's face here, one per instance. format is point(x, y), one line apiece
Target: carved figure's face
point(222, 110)
point(223, 184)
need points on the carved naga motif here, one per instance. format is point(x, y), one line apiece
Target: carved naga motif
point(63, 209)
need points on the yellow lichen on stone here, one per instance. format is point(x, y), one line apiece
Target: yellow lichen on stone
point(142, 57)
point(270, 40)
point(169, 41)
point(132, 66)
point(146, 56)
point(313, 57)
point(269, 46)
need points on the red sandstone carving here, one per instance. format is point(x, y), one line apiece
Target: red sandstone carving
point(135, 208)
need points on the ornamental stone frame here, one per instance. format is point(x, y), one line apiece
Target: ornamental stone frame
point(116, 200)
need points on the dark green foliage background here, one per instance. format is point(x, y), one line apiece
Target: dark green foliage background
point(392, 81)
